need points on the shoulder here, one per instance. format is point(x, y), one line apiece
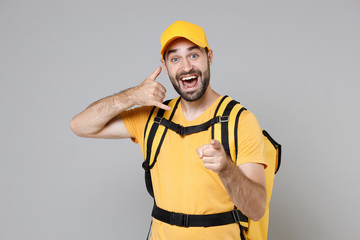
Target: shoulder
point(137, 114)
point(245, 114)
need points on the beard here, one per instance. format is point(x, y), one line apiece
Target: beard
point(194, 95)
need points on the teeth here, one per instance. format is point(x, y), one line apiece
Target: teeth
point(188, 78)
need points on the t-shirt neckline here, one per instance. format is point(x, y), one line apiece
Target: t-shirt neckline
point(204, 114)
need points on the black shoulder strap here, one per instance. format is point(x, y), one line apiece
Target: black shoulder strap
point(236, 129)
point(230, 111)
point(226, 133)
point(225, 125)
point(216, 112)
point(149, 162)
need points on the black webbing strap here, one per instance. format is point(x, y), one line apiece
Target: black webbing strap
point(154, 127)
point(181, 130)
point(147, 122)
point(146, 164)
point(189, 220)
point(163, 136)
point(225, 142)
point(215, 114)
point(242, 234)
point(236, 130)
point(224, 127)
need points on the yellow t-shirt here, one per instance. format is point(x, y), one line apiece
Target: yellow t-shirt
point(181, 182)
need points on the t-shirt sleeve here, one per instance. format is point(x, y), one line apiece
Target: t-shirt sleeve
point(251, 145)
point(135, 121)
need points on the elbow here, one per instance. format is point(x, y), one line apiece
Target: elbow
point(254, 213)
point(259, 213)
point(260, 210)
point(74, 126)
point(255, 208)
point(80, 128)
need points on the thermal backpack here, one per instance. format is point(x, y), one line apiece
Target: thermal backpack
point(224, 127)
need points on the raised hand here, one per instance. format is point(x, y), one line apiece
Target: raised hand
point(150, 92)
point(214, 156)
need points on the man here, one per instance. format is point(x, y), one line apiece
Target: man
point(193, 174)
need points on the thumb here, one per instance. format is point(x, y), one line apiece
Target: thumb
point(215, 143)
point(155, 74)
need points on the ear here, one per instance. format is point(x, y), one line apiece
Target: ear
point(210, 56)
point(164, 65)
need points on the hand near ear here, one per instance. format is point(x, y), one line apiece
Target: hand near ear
point(150, 92)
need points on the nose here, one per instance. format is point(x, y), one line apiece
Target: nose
point(187, 65)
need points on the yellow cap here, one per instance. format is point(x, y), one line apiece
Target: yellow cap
point(182, 29)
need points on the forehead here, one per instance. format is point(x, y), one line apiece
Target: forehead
point(180, 44)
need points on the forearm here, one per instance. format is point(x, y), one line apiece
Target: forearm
point(94, 118)
point(247, 195)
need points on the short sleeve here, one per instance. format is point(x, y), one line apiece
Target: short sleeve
point(135, 121)
point(251, 145)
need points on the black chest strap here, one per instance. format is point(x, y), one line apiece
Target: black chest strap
point(181, 130)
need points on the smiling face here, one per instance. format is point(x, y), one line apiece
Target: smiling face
point(188, 67)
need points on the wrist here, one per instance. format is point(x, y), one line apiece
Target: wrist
point(134, 96)
point(131, 96)
point(125, 99)
point(227, 168)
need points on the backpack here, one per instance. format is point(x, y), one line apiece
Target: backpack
point(224, 127)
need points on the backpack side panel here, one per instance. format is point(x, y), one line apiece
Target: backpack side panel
point(259, 230)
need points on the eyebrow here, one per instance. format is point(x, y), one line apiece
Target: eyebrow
point(189, 49)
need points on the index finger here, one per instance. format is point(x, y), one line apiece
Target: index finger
point(200, 150)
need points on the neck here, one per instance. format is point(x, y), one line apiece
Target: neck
point(192, 110)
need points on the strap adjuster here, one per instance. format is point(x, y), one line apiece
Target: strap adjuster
point(236, 215)
point(157, 120)
point(179, 219)
point(223, 119)
point(179, 129)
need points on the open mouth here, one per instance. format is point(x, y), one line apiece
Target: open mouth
point(189, 81)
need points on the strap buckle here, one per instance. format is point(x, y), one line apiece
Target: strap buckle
point(224, 119)
point(157, 120)
point(236, 215)
point(179, 129)
point(179, 219)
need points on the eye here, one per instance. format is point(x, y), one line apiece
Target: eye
point(194, 56)
point(174, 59)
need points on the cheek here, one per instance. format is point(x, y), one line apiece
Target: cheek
point(202, 66)
point(170, 70)
point(206, 65)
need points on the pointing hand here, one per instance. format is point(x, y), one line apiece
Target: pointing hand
point(214, 156)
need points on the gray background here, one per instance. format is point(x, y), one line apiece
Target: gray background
point(295, 64)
